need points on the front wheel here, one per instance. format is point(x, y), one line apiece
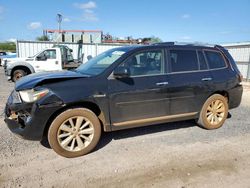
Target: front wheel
point(74, 133)
point(214, 112)
point(17, 74)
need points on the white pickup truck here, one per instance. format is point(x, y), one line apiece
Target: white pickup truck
point(58, 57)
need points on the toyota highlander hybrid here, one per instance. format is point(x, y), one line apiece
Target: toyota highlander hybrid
point(123, 88)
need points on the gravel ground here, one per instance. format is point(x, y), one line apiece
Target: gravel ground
point(170, 155)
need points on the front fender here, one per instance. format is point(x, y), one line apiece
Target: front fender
point(11, 66)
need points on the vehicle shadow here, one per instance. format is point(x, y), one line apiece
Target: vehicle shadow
point(107, 137)
point(45, 143)
point(134, 132)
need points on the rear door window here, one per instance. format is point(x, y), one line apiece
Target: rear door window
point(215, 60)
point(183, 60)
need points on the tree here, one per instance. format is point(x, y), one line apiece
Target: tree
point(8, 46)
point(43, 38)
point(155, 39)
point(151, 40)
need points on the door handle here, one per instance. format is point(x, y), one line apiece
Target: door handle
point(56, 62)
point(206, 79)
point(162, 83)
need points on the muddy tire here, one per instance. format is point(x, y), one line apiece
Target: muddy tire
point(17, 74)
point(74, 132)
point(214, 112)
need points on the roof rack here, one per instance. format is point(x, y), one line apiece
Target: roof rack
point(189, 44)
point(164, 43)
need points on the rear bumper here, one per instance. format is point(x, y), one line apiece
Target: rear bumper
point(235, 96)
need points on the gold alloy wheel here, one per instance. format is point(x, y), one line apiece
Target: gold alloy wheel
point(75, 133)
point(215, 112)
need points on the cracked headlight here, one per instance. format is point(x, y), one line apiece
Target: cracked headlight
point(31, 95)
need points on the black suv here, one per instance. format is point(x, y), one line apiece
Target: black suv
point(123, 88)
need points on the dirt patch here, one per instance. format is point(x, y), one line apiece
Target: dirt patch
point(168, 172)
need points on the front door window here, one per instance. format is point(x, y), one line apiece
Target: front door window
point(145, 63)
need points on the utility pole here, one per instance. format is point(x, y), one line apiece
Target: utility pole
point(59, 21)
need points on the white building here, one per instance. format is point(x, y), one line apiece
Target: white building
point(241, 54)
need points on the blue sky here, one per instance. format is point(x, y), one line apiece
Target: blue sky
point(213, 21)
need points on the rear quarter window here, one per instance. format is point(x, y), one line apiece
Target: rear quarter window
point(215, 60)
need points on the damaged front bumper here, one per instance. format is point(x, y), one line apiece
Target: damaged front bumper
point(28, 120)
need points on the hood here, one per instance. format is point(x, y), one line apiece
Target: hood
point(33, 80)
point(13, 60)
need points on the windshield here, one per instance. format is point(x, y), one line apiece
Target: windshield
point(101, 62)
point(35, 54)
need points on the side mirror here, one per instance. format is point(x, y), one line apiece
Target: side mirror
point(89, 57)
point(121, 72)
point(41, 58)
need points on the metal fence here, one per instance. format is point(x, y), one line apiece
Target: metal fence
point(30, 48)
point(241, 54)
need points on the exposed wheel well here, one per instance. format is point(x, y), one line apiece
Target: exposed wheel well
point(223, 93)
point(89, 105)
point(24, 68)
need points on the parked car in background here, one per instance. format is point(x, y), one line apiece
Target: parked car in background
point(2, 53)
point(124, 88)
point(58, 57)
point(6, 55)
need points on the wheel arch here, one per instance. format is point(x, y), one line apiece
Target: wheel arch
point(220, 92)
point(88, 105)
point(203, 120)
point(223, 93)
point(20, 67)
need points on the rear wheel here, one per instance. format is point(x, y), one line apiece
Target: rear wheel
point(214, 112)
point(17, 74)
point(74, 133)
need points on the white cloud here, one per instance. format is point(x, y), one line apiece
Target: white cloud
point(12, 40)
point(89, 14)
point(1, 12)
point(88, 11)
point(66, 20)
point(225, 32)
point(185, 38)
point(88, 5)
point(1, 9)
point(89, 17)
point(34, 25)
point(186, 16)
